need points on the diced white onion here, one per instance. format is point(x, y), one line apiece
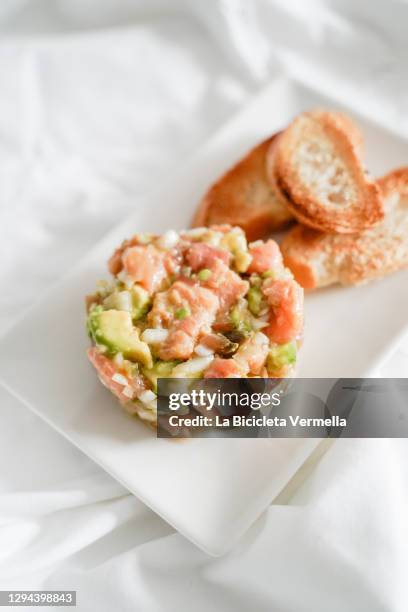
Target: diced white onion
point(118, 359)
point(125, 301)
point(120, 379)
point(192, 367)
point(196, 232)
point(203, 351)
point(126, 280)
point(154, 336)
point(255, 244)
point(260, 338)
point(242, 363)
point(120, 300)
point(214, 238)
point(128, 392)
point(240, 242)
point(144, 238)
point(168, 240)
point(393, 199)
point(104, 287)
point(147, 397)
point(146, 415)
point(259, 323)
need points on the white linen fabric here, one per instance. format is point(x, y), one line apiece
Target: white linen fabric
point(99, 100)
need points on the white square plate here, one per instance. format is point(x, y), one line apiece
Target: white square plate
point(211, 490)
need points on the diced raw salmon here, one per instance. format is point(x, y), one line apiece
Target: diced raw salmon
point(107, 369)
point(199, 305)
point(146, 265)
point(226, 284)
point(201, 255)
point(115, 264)
point(223, 368)
point(265, 256)
point(285, 298)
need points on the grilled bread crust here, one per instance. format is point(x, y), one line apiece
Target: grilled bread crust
point(317, 166)
point(243, 196)
point(318, 259)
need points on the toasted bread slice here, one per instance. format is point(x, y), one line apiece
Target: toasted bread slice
point(317, 259)
point(318, 167)
point(244, 197)
point(271, 174)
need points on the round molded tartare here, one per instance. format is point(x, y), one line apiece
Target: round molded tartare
point(195, 303)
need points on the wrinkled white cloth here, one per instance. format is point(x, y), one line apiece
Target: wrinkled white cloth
point(100, 100)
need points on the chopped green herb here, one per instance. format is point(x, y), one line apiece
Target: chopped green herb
point(204, 274)
point(269, 274)
point(182, 313)
point(255, 280)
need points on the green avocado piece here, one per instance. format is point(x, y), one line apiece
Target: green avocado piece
point(239, 320)
point(92, 320)
point(114, 330)
point(280, 356)
point(161, 369)
point(254, 300)
point(140, 301)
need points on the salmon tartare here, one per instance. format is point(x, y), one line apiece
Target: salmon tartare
point(200, 303)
